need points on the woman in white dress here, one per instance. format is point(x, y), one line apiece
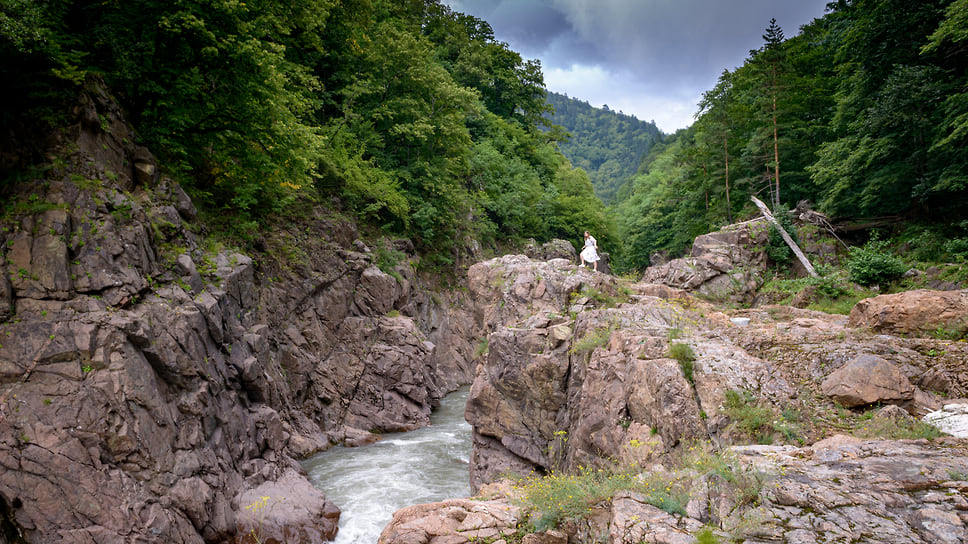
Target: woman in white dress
point(590, 251)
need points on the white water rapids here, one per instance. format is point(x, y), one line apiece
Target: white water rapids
point(371, 482)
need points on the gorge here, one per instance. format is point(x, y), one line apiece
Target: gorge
point(158, 385)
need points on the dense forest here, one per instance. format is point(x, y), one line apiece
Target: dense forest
point(608, 145)
point(415, 119)
point(412, 115)
point(864, 113)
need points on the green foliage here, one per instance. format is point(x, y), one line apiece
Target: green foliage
point(415, 118)
point(706, 536)
point(387, 260)
point(604, 299)
point(686, 357)
point(418, 120)
point(957, 248)
point(557, 497)
point(551, 499)
point(481, 348)
point(743, 483)
point(895, 428)
point(749, 416)
point(777, 249)
point(608, 145)
point(592, 339)
point(873, 264)
point(870, 115)
point(830, 292)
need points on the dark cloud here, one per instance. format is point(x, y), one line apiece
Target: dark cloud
point(672, 50)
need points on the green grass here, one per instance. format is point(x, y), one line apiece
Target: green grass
point(832, 293)
point(686, 357)
point(759, 421)
point(552, 499)
point(894, 428)
point(592, 339)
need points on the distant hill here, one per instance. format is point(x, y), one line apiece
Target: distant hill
point(609, 145)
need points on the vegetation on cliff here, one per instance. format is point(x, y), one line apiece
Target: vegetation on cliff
point(422, 124)
point(413, 115)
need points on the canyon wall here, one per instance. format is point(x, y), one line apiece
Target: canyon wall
point(157, 385)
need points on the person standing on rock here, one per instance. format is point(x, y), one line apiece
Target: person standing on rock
point(590, 251)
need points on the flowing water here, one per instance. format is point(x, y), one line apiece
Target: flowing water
point(402, 469)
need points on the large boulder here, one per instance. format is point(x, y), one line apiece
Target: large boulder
point(288, 509)
point(454, 521)
point(724, 265)
point(867, 379)
point(917, 313)
point(552, 249)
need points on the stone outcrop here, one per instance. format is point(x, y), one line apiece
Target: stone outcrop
point(916, 313)
point(723, 265)
point(552, 249)
point(556, 394)
point(589, 380)
point(154, 384)
point(838, 490)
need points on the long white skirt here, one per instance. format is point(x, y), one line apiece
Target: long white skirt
point(589, 254)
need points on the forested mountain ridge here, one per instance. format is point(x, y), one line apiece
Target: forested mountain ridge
point(609, 145)
point(864, 113)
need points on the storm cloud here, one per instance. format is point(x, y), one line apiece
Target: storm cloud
point(649, 58)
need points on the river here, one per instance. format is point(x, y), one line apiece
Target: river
point(371, 482)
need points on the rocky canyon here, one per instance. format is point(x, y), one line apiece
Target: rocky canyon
point(159, 384)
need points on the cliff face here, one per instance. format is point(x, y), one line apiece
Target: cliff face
point(155, 386)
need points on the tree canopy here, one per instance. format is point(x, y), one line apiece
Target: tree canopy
point(413, 115)
point(863, 113)
point(416, 119)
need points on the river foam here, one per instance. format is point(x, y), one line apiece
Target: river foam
point(371, 482)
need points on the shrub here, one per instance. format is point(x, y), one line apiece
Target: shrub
point(387, 261)
point(549, 500)
point(706, 536)
point(873, 264)
point(957, 248)
point(753, 418)
point(557, 497)
point(777, 249)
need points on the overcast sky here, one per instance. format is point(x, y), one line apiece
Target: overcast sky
point(649, 58)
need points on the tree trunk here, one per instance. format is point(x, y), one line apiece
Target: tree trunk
point(786, 237)
point(729, 209)
point(776, 149)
